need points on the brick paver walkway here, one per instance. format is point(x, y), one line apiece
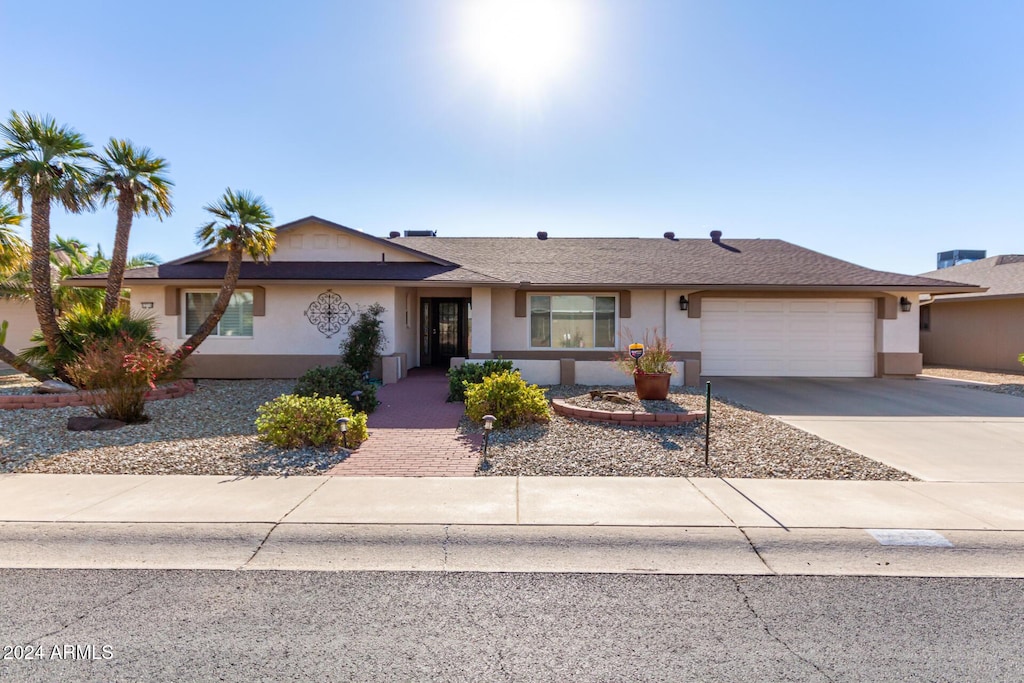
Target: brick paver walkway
point(413, 433)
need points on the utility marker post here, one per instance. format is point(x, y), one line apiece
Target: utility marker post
point(707, 424)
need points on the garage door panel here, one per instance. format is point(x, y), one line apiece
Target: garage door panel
point(810, 306)
point(788, 337)
point(720, 305)
point(763, 306)
point(865, 307)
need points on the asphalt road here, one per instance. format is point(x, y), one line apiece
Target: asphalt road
point(121, 625)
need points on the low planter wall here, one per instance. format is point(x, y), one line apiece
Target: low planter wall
point(183, 387)
point(625, 417)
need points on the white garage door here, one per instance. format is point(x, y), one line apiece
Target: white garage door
point(788, 337)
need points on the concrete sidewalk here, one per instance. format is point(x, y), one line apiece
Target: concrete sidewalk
point(610, 524)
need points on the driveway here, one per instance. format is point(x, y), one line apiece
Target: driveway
point(937, 430)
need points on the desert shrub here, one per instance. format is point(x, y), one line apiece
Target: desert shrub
point(657, 356)
point(472, 373)
point(507, 396)
point(124, 369)
point(365, 340)
point(338, 380)
point(291, 421)
point(80, 326)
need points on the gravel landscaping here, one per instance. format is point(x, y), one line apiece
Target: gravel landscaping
point(208, 432)
point(212, 432)
point(997, 382)
point(744, 443)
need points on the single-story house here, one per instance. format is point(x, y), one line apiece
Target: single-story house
point(983, 330)
point(559, 307)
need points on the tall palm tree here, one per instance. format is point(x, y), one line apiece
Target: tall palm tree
point(44, 161)
point(242, 224)
point(133, 179)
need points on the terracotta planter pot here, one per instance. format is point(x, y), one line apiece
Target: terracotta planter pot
point(652, 387)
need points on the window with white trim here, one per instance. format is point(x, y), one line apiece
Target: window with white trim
point(236, 321)
point(572, 321)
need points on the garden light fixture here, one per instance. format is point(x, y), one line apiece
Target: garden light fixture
point(343, 425)
point(904, 304)
point(488, 426)
point(683, 303)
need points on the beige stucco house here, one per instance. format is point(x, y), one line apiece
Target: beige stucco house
point(982, 329)
point(558, 307)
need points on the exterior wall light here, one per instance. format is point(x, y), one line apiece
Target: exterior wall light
point(683, 303)
point(904, 304)
point(342, 423)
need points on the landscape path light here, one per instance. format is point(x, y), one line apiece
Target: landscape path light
point(343, 426)
point(488, 426)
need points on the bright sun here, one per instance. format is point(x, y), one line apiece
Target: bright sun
point(523, 46)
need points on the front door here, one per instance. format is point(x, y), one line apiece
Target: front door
point(444, 331)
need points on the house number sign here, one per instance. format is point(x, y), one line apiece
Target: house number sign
point(329, 313)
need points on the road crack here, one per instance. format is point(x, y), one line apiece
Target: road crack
point(768, 631)
point(444, 547)
point(79, 617)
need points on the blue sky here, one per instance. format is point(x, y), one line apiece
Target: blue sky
point(877, 132)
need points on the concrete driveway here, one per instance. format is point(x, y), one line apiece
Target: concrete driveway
point(934, 429)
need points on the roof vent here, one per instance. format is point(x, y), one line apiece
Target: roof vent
point(670, 235)
point(542, 235)
point(394, 234)
point(716, 236)
point(421, 233)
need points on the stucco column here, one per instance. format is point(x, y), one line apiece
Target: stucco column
point(480, 343)
point(898, 341)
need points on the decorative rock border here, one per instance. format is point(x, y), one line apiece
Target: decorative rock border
point(183, 387)
point(625, 417)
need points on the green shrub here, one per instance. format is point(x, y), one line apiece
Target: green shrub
point(472, 373)
point(507, 396)
point(291, 421)
point(338, 380)
point(81, 325)
point(365, 340)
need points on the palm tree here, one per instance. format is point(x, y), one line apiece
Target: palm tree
point(243, 224)
point(44, 161)
point(133, 179)
point(13, 249)
point(70, 257)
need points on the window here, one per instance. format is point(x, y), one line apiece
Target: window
point(236, 321)
point(925, 323)
point(572, 321)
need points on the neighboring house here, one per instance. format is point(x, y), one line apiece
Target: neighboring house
point(559, 308)
point(982, 330)
point(20, 315)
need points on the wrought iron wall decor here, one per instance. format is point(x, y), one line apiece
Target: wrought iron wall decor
point(329, 313)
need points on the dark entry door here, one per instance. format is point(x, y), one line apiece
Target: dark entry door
point(445, 332)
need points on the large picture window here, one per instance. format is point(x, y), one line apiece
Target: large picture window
point(572, 321)
point(236, 321)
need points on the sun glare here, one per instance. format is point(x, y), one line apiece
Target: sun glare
point(523, 46)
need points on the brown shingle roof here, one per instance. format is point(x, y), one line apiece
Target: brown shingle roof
point(1003, 275)
point(659, 262)
point(570, 262)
